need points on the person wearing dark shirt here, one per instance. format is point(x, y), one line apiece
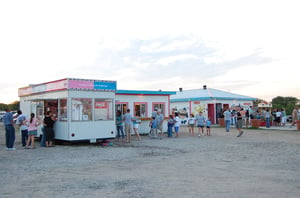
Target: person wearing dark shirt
point(49, 121)
point(239, 122)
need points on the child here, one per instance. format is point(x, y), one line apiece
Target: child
point(200, 123)
point(208, 124)
point(153, 126)
point(191, 124)
point(177, 122)
point(170, 126)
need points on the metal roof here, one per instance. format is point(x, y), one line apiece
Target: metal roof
point(144, 92)
point(206, 94)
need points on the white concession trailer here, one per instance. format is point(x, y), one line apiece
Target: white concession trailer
point(84, 108)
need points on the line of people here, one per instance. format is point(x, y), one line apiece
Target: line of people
point(28, 129)
point(128, 122)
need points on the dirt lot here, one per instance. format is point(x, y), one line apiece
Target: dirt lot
point(259, 164)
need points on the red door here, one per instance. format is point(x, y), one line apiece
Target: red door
point(211, 113)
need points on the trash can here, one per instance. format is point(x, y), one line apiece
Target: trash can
point(298, 124)
point(255, 123)
point(221, 122)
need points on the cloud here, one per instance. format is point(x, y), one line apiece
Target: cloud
point(146, 64)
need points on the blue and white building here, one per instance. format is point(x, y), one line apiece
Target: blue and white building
point(207, 100)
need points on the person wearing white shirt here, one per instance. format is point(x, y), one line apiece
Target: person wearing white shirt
point(177, 124)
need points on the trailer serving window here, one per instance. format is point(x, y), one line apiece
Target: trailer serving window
point(140, 109)
point(161, 106)
point(104, 109)
point(63, 115)
point(81, 109)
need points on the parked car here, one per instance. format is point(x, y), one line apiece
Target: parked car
point(15, 116)
point(1, 115)
point(289, 118)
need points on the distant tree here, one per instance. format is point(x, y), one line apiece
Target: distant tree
point(3, 106)
point(14, 106)
point(287, 103)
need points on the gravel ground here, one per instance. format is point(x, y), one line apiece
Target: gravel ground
point(261, 163)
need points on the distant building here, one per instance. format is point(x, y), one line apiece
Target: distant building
point(207, 100)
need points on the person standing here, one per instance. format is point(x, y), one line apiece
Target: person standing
point(243, 113)
point(268, 118)
point(136, 122)
point(170, 126)
point(200, 123)
point(227, 118)
point(153, 126)
point(10, 135)
point(233, 116)
point(160, 119)
point(177, 124)
point(247, 117)
point(283, 117)
point(239, 122)
point(119, 124)
point(278, 117)
point(191, 124)
point(21, 121)
point(294, 116)
point(128, 125)
point(208, 126)
point(49, 121)
point(32, 131)
point(154, 113)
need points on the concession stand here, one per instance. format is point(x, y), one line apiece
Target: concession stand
point(84, 109)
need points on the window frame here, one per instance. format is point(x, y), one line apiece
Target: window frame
point(82, 119)
point(109, 108)
point(123, 111)
point(146, 109)
point(163, 110)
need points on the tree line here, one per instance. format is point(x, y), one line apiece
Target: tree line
point(287, 103)
point(13, 106)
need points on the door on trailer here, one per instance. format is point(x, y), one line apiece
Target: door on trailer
point(121, 107)
point(218, 111)
point(211, 113)
point(37, 107)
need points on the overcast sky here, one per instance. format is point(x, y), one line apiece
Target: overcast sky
point(245, 47)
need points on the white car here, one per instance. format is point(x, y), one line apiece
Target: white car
point(1, 115)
